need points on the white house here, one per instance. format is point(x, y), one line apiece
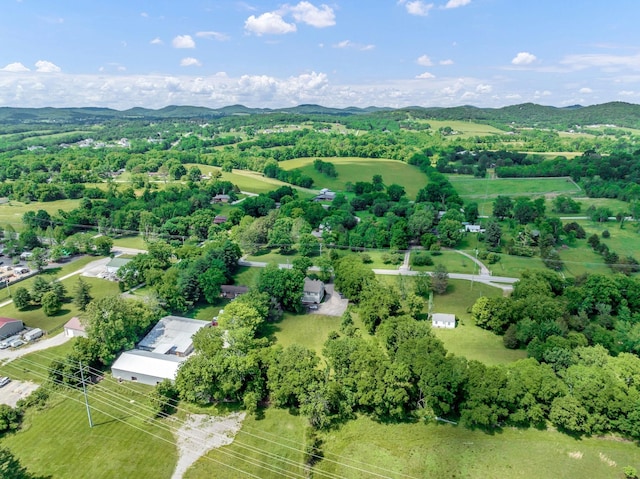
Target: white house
point(313, 291)
point(473, 228)
point(443, 320)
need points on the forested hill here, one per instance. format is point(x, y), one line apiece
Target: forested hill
point(523, 115)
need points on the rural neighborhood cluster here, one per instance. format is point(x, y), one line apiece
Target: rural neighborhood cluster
point(317, 292)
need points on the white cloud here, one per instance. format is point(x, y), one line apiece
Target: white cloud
point(597, 60)
point(144, 14)
point(524, 58)
point(190, 62)
point(585, 90)
point(350, 44)
point(308, 13)
point(15, 67)
point(269, 23)
point(417, 7)
point(156, 41)
point(43, 66)
point(425, 76)
point(424, 61)
point(183, 41)
point(213, 36)
point(484, 88)
point(457, 3)
point(446, 62)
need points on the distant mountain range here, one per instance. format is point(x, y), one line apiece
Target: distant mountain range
point(526, 114)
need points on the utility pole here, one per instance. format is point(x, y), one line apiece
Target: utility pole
point(86, 398)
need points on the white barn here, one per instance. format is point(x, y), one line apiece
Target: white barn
point(443, 320)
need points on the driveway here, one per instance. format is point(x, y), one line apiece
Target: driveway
point(333, 304)
point(9, 354)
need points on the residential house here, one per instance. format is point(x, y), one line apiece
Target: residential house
point(443, 320)
point(221, 199)
point(74, 328)
point(313, 291)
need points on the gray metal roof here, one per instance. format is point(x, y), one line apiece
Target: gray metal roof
point(172, 332)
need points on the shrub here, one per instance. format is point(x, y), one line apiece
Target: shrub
point(606, 234)
point(421, 259)
point(366, 258)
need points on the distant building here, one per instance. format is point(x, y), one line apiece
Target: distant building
point(145, 367)
point(9, 327)
point(172, 335)
point(443, 320)
point(219, 219)
point(231, 291)
point(313, 291)
point(473, 228)
point(325, 195)
point(74, 328)
point(221, 199)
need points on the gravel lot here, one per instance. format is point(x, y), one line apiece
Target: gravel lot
point(333, 304)
point(16, 390)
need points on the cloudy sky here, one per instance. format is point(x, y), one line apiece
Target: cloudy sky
point(264, 53)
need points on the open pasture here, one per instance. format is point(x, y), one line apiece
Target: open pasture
point(478, 188)
point(465, 129)
point(361, 169)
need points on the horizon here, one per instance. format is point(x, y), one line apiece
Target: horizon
point(270, 54)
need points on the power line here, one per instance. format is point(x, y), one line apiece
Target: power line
point(98, 372)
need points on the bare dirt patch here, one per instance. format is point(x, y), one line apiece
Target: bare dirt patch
point(201, 433)
point(607, 461)
point(575, 455)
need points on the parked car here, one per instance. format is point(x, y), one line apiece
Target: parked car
point(17, 343)
point(4, 381)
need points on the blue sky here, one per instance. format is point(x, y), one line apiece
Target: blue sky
point(489, 53)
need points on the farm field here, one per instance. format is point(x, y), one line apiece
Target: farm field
point(478, 188)
point(464, 129)
point(361, 169)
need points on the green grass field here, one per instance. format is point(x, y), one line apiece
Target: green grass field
point(363, 447)
point(464, 129)
point(362, 169)
point(478, 188)
point(136, 242)
point(34, 317)
point(308, 330)
point(11, 213)
point(467, 339)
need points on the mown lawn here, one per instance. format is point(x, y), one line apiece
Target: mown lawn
point(361, 169)
point(513, 266)
point(34, 317)
point(58, 442)
point(467, 339)
point(51, 274)
point(464, 128)
point(136, 242)
point(308, 330)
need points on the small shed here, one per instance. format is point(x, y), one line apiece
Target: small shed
point(443, 320)
point(219, 219)
point(74, 328)
point(221, 199)
point(313, 291)
point(9, 327)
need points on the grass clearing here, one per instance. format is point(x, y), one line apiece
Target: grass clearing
point(308, 330)
point(362, 169)
point(363, 447)
point(467, 339)
point(11, 213)
point(478, 188)
point(134, 241)
point(465, 129)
